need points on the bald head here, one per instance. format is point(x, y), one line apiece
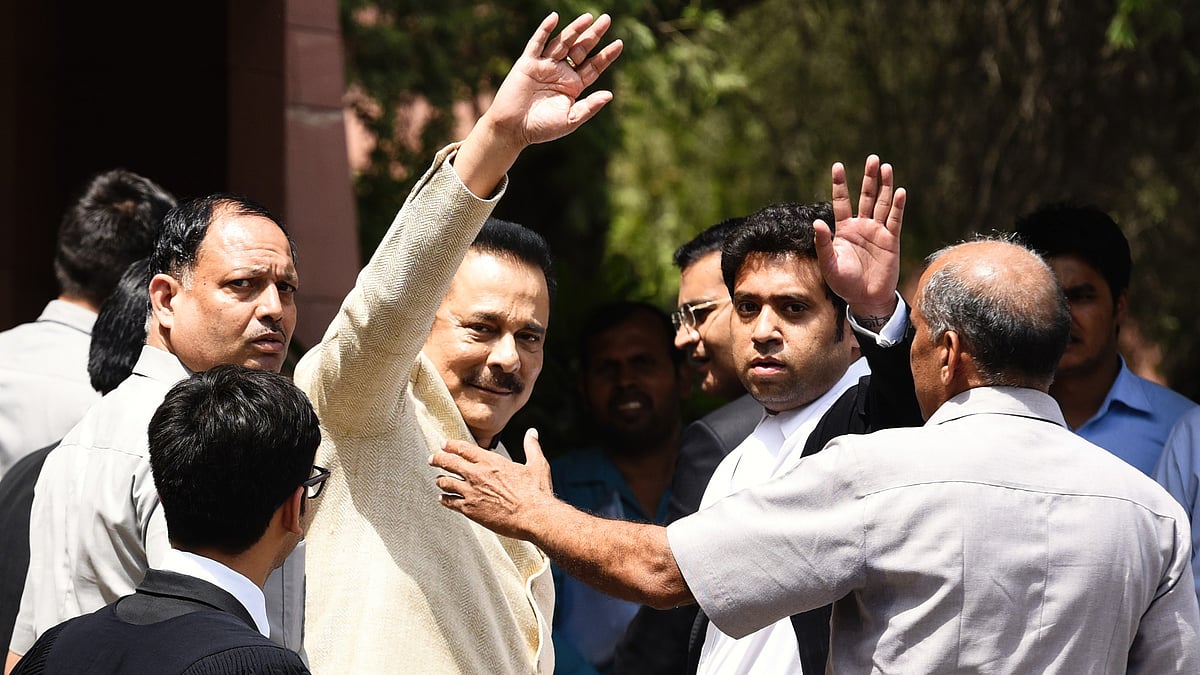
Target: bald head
point(1006, 307)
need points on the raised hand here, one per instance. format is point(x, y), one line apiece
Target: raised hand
point(860, 259)
point(540, 100)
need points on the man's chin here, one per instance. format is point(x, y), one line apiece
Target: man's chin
point(269, 362)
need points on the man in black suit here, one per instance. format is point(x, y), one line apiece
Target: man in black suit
point(231, 452)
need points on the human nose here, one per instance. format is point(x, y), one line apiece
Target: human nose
point(270, 304)
point(686, 336)
point(764, 328)
point(503, 354)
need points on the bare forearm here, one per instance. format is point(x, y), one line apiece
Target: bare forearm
point(632, 561)
point(485, 156)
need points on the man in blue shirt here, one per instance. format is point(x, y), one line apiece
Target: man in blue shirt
point(1101, 399)
point(632, 382)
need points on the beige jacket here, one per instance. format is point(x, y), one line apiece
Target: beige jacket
point(397, 582)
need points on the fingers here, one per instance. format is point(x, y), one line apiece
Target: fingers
point(533, 48)
point(558, 48)
point(842, 210)
point(583, 46)
point(457, 457)
point(870, 187)
point(896, 217)
point(883, 204)
point(590, 70)
point(823, 239)
point(879, 199)
point(451, 488)
point(585, 109)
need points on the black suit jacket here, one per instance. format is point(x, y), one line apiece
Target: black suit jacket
point(173, 623)
point(16, 501)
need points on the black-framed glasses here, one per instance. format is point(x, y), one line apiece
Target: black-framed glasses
point(314, 485)
point(686, 316)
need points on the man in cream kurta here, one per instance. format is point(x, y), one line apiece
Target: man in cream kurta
point(396, 583)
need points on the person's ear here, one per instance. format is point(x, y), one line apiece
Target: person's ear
point(1120, 307)
point(164, 289)
point(290, 511)
point(950, 357)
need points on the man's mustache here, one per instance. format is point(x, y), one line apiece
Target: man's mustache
point(486, 379)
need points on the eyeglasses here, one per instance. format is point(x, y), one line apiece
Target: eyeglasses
point(313, 486)
point(686, 316)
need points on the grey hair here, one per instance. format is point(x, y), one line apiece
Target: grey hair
point(1015, 332)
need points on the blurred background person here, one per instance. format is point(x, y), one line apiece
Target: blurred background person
point(117, 339)
point(632, 382)
point(1101, 399)
point(44, 382)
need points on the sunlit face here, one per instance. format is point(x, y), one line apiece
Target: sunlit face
point(785, 332)
point(631, 385)
point(1094, 316)
point(487, 339)
point(710, 346)
point(237, 305)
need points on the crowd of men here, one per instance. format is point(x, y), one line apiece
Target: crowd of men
point(963, 480)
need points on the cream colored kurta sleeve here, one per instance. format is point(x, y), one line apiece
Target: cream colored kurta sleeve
point(396, 582)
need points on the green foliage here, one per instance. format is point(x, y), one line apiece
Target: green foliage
point(987, 108)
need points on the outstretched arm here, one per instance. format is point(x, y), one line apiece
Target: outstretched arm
point(860, 258)
point(353, 376)
point(627, 560)
point(540, 100)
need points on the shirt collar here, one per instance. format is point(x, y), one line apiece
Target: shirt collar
point(69, 314)
point(1127, 391)
point(790, 421)
point(206, 569)
point(1019, 401)
point(159, 364)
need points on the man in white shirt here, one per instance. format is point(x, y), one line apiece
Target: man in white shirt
point(44, 385)
point(231, 451)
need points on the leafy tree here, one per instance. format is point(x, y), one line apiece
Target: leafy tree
point(986, 108)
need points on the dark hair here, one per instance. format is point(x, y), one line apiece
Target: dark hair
point(227, 447)
point(519, 243)
point(120, 329)
point(1064, 228)
point(613, 314)
point(185, 226)
point(113, 223)
point(779, 230)
point(711, 239)
point(1016, 332)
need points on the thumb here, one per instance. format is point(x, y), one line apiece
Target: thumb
point(823, 240)
point(533, 449)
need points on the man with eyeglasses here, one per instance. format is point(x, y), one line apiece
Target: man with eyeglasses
point(231, 452)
